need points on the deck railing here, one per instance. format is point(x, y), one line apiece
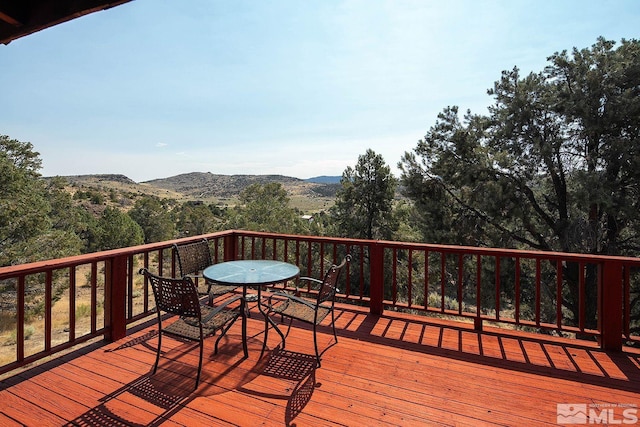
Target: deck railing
point(49, 306)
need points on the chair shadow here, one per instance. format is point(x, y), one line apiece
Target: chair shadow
point(293, 367)
point(161, 396)
point(171, 388)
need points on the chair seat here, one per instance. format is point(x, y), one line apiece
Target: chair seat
point(188, 327)
point(217, 290)
point(300, 311)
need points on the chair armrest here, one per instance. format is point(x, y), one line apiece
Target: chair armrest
point(308, 279)
point(218, 308)
point(311, 279)
point(294, 298)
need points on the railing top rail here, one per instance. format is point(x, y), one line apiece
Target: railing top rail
point(11, 271)
point(33, 267)
point(568, 256)
point(571, 256)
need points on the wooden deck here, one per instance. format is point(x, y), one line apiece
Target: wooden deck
point(389, 370)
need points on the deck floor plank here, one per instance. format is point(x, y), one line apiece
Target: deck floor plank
point(395, 369)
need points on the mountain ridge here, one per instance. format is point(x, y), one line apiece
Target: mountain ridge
point(206, 185)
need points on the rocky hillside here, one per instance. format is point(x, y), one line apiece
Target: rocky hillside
point(203, 185)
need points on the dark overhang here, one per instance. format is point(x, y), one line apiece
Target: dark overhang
point(19, 18)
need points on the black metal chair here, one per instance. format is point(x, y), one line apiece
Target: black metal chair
point(192, 259)
point(196, 321)
point(309, 310)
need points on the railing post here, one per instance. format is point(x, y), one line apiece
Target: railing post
point(376, 269)
point(610, 305)
point(115, 290)
point(230, 247)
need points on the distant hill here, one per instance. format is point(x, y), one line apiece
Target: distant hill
point(324, 179)
point(205, 185)
point(202, 185)
point(122, 179)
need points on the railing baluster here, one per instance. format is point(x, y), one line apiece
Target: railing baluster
point(460, 282)
point(478, 318)
point(47, 309)
point(145, 286)
point(410, 278)
point(347, 285)
point(559, 281)
point(443, 278)
point(426, 279)
point(394, 276)
point(286, 250)
point(498, 290)
point(361, 266)
point(20, 300)
point(94, 297)
point(72, 304)
point(517, 290)
point(627, 303)
point(129, 278)
point(538, 290)
point(309, 260)
point(581, 297)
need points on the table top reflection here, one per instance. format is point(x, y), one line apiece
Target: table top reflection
point(251, 272)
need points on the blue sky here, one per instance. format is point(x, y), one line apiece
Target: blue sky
point(301, 88)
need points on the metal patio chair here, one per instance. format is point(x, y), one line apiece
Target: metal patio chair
point(196, 321)
point(307, 310)
point(192, 259)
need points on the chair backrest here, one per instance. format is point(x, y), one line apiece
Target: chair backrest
point(175, 296)
point(329, 285)
point(193, 257)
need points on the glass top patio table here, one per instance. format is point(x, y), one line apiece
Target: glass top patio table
point(251, 272)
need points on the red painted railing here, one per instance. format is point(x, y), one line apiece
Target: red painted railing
point(49, 306)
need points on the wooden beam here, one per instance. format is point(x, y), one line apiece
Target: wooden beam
point(41, 14)
point(9, 19)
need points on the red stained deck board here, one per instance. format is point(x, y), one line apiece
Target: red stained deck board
point(392, 370)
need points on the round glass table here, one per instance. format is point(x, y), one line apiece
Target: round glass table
point(253, 274)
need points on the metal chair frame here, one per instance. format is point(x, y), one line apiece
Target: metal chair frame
point(192, 259)
point(196, 321)
point(307, 310)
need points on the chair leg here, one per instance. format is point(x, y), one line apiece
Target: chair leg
point(333, 324)
point(289, 327)
point(266, 335)
point(200, 363)
point(315, 344)
point(155, 365)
